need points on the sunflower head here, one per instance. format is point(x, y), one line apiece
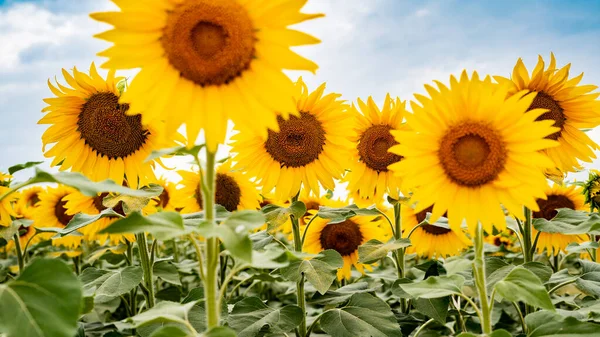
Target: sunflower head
point(571, 108)
point(92, 132)
point(5, 179)
point(369, 177)
point(591, 190)
point(52, 211)
point(309, 150)
point(166, 200)
point(28, 201)
point(476, 144)
point(214, 60)
point(345, 238)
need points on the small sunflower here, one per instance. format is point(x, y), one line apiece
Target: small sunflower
point(471, 149)
point(92, 133)
point(28, 201)
point(309, 149)
point(216, 59)
point(5, 179)
point(79, 203)
point(233, 190)
point(6, 207)
point(369, 177)
point(24, 211)
point(432, 240)
point(591, 190)
point(52, 212)
point(571, 107)
point(166, 200)
point(558, 197)
point(343, 237)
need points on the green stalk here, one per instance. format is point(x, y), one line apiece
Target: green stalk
point(527, 242)
point(480, 282)
point(19, 252)
point(147, 268)
point(211, 288)
point(399, 254)
point(301, 297)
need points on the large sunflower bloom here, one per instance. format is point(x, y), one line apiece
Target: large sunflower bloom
point(472, 149)
point(558, 197)
point(309, 151)
point(92, 133)
point(206, 61)
point(369, 177)
point(343, 237)
point(52, 212)
point(233, 190)
point(570, 106)
point(431, 240)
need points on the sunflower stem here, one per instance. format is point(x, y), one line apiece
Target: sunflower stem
point(480, 282)
point(399, 254)
point(19, 252)
point(147, 268)
point(211, 288)
point(301, 298)
point(527, 242)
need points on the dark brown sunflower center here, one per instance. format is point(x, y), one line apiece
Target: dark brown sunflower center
point(99, 204)
point(228, 193)
point(32, 200)
point(555, 113)
point(373, 147)
point(105, 127)
point(431, 229)
point(209, 42)
point(299, 141)
point(312, 205)
point(472, 154)
point(164, 198)
point(549, 207)
point(60, 212)
point(24, 230)
point(344, 237)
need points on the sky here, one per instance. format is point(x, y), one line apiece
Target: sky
point(368, 48)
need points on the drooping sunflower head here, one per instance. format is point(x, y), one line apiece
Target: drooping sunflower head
point(343, 237)
point(432, 240)
point(479, 147)
point(369, 177)
point(570, 106)
point(52, 212)
point(233, 190)
point(218, 59)
point(558, 196)
point(591, 190)
point(92, 133)
point(309, 150)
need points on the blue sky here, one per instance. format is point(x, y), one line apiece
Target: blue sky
point(369, 48)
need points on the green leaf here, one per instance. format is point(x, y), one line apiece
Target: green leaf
point(220, 331)
point(583, 247)
point(162, 225)
point(175, 151)
point(88, 187)
point(276, 216)
point(44, 301)
point(251, 316)
point(119, 282)
point(91, 278)
point(164, 312)
point(167, 272)
point(271, 257)
point(342, 294)
point(435, 286)
point(500, 333)
point(522, 285)
point(320, 271)
point(79, 221)
point(585, 274)
point(337, 215)
point(436, 308)
point(16, 168)
point(7, 233)
point(364, 315)
point(170, 331)
point(568, 221)
point(374, 250)
point(547, 324)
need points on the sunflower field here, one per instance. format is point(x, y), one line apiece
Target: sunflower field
point(450, 214)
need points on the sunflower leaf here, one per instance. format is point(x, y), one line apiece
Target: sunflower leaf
point(337, 215)
point(162, 225)
point(44, 301)
point(435, 286)
point(16, 168)
point(546, 323)
point(251, 316)
point(374, 250)
point(81, 220)
point(568, 221)
point(523, 285)
point(276, 216)
point(364, 315)
point(118, 283)
point(175, 151)
point(320, 270)
point(436, 308)
point(219, 331)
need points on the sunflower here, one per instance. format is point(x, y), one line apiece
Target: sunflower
point(216, 59)
point(591, 190)
point(558, 197)
point(166, 200)
point(369, 177)
point(571, 107)
point(5, 179)
point(6, 207)
point(310, 149)
point(28, 201)
point(24, 211)
point(79, 203)
point(343, 237)
point(233, 190)
point(92, 133)
point(472, 149)
point(52, 212)
point(431, 240)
